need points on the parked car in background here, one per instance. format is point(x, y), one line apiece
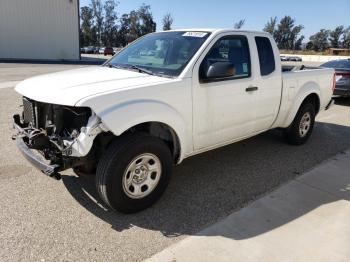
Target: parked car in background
point(295, 58)
point(101, 51)
point(82, 50)
point(284, 58)
point(108, 51)
point(89, 50)
point(342, 76)
point(96, 50)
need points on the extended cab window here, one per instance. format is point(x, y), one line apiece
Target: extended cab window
point(266, 55)
point(233, 50)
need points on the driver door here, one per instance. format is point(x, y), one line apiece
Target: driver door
point(223, 109)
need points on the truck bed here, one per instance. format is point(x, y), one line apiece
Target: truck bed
point(287, 68)
point(299, 80)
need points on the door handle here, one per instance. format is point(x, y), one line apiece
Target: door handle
point(251, 89)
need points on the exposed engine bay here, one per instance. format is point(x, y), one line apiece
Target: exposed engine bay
point(63, 135)
point(49, 125)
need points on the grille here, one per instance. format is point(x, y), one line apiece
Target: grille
point(28, 111)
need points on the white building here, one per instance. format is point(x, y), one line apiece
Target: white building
point(39, 29)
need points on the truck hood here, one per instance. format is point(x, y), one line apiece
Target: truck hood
point(68, 87)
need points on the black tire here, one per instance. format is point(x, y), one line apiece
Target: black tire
point(114, 163)
point(293, 134)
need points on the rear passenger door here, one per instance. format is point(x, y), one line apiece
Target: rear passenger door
point(269, 83)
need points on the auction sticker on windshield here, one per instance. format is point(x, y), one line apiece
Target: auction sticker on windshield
point(195, 34)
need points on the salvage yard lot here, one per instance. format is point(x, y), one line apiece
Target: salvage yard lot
point(44, 219)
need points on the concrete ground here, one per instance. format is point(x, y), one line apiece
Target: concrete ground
point(304, 220)
point(48, 220)
point(13, 73)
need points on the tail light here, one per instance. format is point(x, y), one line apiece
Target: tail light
point(334, 82)
point(343, 74)
point(340, 75)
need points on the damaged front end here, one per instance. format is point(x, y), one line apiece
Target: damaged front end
point(56, 137)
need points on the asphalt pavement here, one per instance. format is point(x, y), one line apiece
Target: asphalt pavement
point(305, 220)
point(47, 220)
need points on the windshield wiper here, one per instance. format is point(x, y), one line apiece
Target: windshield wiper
point(132, 67)
point(114, 66)
point(140, 69)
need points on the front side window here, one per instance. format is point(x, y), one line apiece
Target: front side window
point(230, 49)
point(165, 53)
point(266, 55)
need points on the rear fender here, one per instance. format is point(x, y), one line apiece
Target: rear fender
point(307, 89)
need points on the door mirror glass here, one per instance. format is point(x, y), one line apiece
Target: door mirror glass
point(220, 70)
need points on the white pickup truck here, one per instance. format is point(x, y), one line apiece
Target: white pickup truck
point(167, 96)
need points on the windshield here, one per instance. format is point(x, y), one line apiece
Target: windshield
point(164, 54)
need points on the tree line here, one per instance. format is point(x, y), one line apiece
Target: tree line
point(288, 35)
point(101, 26)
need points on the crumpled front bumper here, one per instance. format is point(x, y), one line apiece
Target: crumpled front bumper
point(38, 161)
point(34, 158)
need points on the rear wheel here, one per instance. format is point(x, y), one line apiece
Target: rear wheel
point(133, 172)
point(301, 128)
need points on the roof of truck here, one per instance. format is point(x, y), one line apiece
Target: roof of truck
point(216, 30)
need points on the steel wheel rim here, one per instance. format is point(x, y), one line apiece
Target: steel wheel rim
point(305, 124)
point(142, 176)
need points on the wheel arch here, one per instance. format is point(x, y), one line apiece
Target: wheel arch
point(162, 131)
point(315, 100)
point(308, 92)
point(152, 117)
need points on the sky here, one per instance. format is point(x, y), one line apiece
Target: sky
point(313, 14)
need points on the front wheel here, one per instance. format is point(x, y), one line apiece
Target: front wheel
point(301, 128)
point(133, 172)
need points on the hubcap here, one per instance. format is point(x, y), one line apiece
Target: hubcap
point(305, 124)
point(142, 175)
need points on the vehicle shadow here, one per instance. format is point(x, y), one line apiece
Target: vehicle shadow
point(208, 187)
point(342, 101)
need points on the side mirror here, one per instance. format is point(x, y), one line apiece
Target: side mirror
point(220, 70)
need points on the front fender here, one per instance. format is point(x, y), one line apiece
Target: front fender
point(121, 117)
point(307, 89)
